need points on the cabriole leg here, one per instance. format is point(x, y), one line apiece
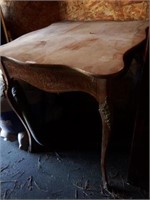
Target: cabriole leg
point(16, 99)
point(102, 98)
point(105, 116)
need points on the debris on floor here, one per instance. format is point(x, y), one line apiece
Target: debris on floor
point(62, 175)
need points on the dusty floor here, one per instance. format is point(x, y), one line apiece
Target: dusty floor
point(66, 174)
point(70, 167)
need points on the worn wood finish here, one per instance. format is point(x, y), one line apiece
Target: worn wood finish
point(72, 56)
point(95, 47)
point(55, 78)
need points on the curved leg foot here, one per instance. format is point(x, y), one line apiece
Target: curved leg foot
point(23, 140)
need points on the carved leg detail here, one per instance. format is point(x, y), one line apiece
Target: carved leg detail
point(105, 116)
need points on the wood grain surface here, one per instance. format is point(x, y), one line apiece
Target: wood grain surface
point(94, 47)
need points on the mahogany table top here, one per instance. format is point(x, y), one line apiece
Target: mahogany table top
point(95, 47)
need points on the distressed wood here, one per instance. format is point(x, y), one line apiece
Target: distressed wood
point(72, 56)
point(54, 78)
point(95, 47)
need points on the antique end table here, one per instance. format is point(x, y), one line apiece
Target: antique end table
point(72, 56)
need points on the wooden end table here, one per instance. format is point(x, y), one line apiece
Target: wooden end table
point(72, 56)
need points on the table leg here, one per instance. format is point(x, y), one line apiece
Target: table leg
point(58, 79)
point(104, 112)
point(17, 99)
point(106, 127)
